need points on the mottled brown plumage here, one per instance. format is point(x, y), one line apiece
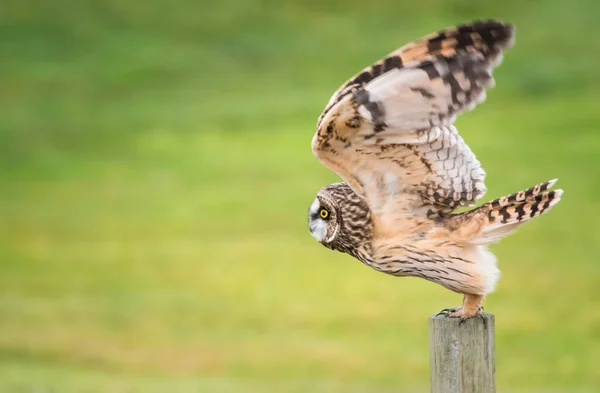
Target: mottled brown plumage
point(389, 133)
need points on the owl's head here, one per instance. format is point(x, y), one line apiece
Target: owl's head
point(340, 219)
point(324, 217)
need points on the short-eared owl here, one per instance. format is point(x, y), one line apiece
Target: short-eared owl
point(389, 133)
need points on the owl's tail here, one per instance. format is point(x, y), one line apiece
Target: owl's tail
point(496, 219)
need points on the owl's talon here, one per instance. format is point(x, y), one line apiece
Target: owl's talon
point(448, 311)
point(459, 312)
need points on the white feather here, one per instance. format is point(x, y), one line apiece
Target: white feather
point(318, 227)
point(314, 207)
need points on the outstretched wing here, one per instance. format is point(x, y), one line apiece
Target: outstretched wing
point(388, 131)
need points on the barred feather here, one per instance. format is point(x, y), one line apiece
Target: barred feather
point(389, 128)
point(500, 217)
point(489, 38)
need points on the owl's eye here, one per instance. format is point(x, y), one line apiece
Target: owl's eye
point(324, 213)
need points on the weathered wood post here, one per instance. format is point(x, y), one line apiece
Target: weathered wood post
point(462, 355)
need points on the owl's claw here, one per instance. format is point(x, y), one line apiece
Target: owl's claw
point(458, 312)
point(449, 312)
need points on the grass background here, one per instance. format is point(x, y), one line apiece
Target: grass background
point(156, 172)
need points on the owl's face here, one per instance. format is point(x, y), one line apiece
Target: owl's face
point(323, 218)
point(340, 220)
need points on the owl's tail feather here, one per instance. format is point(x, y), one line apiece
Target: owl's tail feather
point(500, 217)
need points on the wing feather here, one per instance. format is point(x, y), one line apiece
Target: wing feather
point(388, 131)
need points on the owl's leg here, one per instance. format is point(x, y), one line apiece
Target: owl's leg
point(471, 307)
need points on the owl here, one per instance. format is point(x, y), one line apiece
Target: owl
point(388, 133)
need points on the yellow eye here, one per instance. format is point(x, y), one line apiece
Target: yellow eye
point(324, 213)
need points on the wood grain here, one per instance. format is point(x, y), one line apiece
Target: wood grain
point(462, 355)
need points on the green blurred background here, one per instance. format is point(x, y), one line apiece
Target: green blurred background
point(156, 173)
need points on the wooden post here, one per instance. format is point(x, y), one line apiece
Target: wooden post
point(462, 355)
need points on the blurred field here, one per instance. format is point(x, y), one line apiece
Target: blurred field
point(156, 172)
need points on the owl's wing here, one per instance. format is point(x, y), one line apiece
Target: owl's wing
point(388, 131)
